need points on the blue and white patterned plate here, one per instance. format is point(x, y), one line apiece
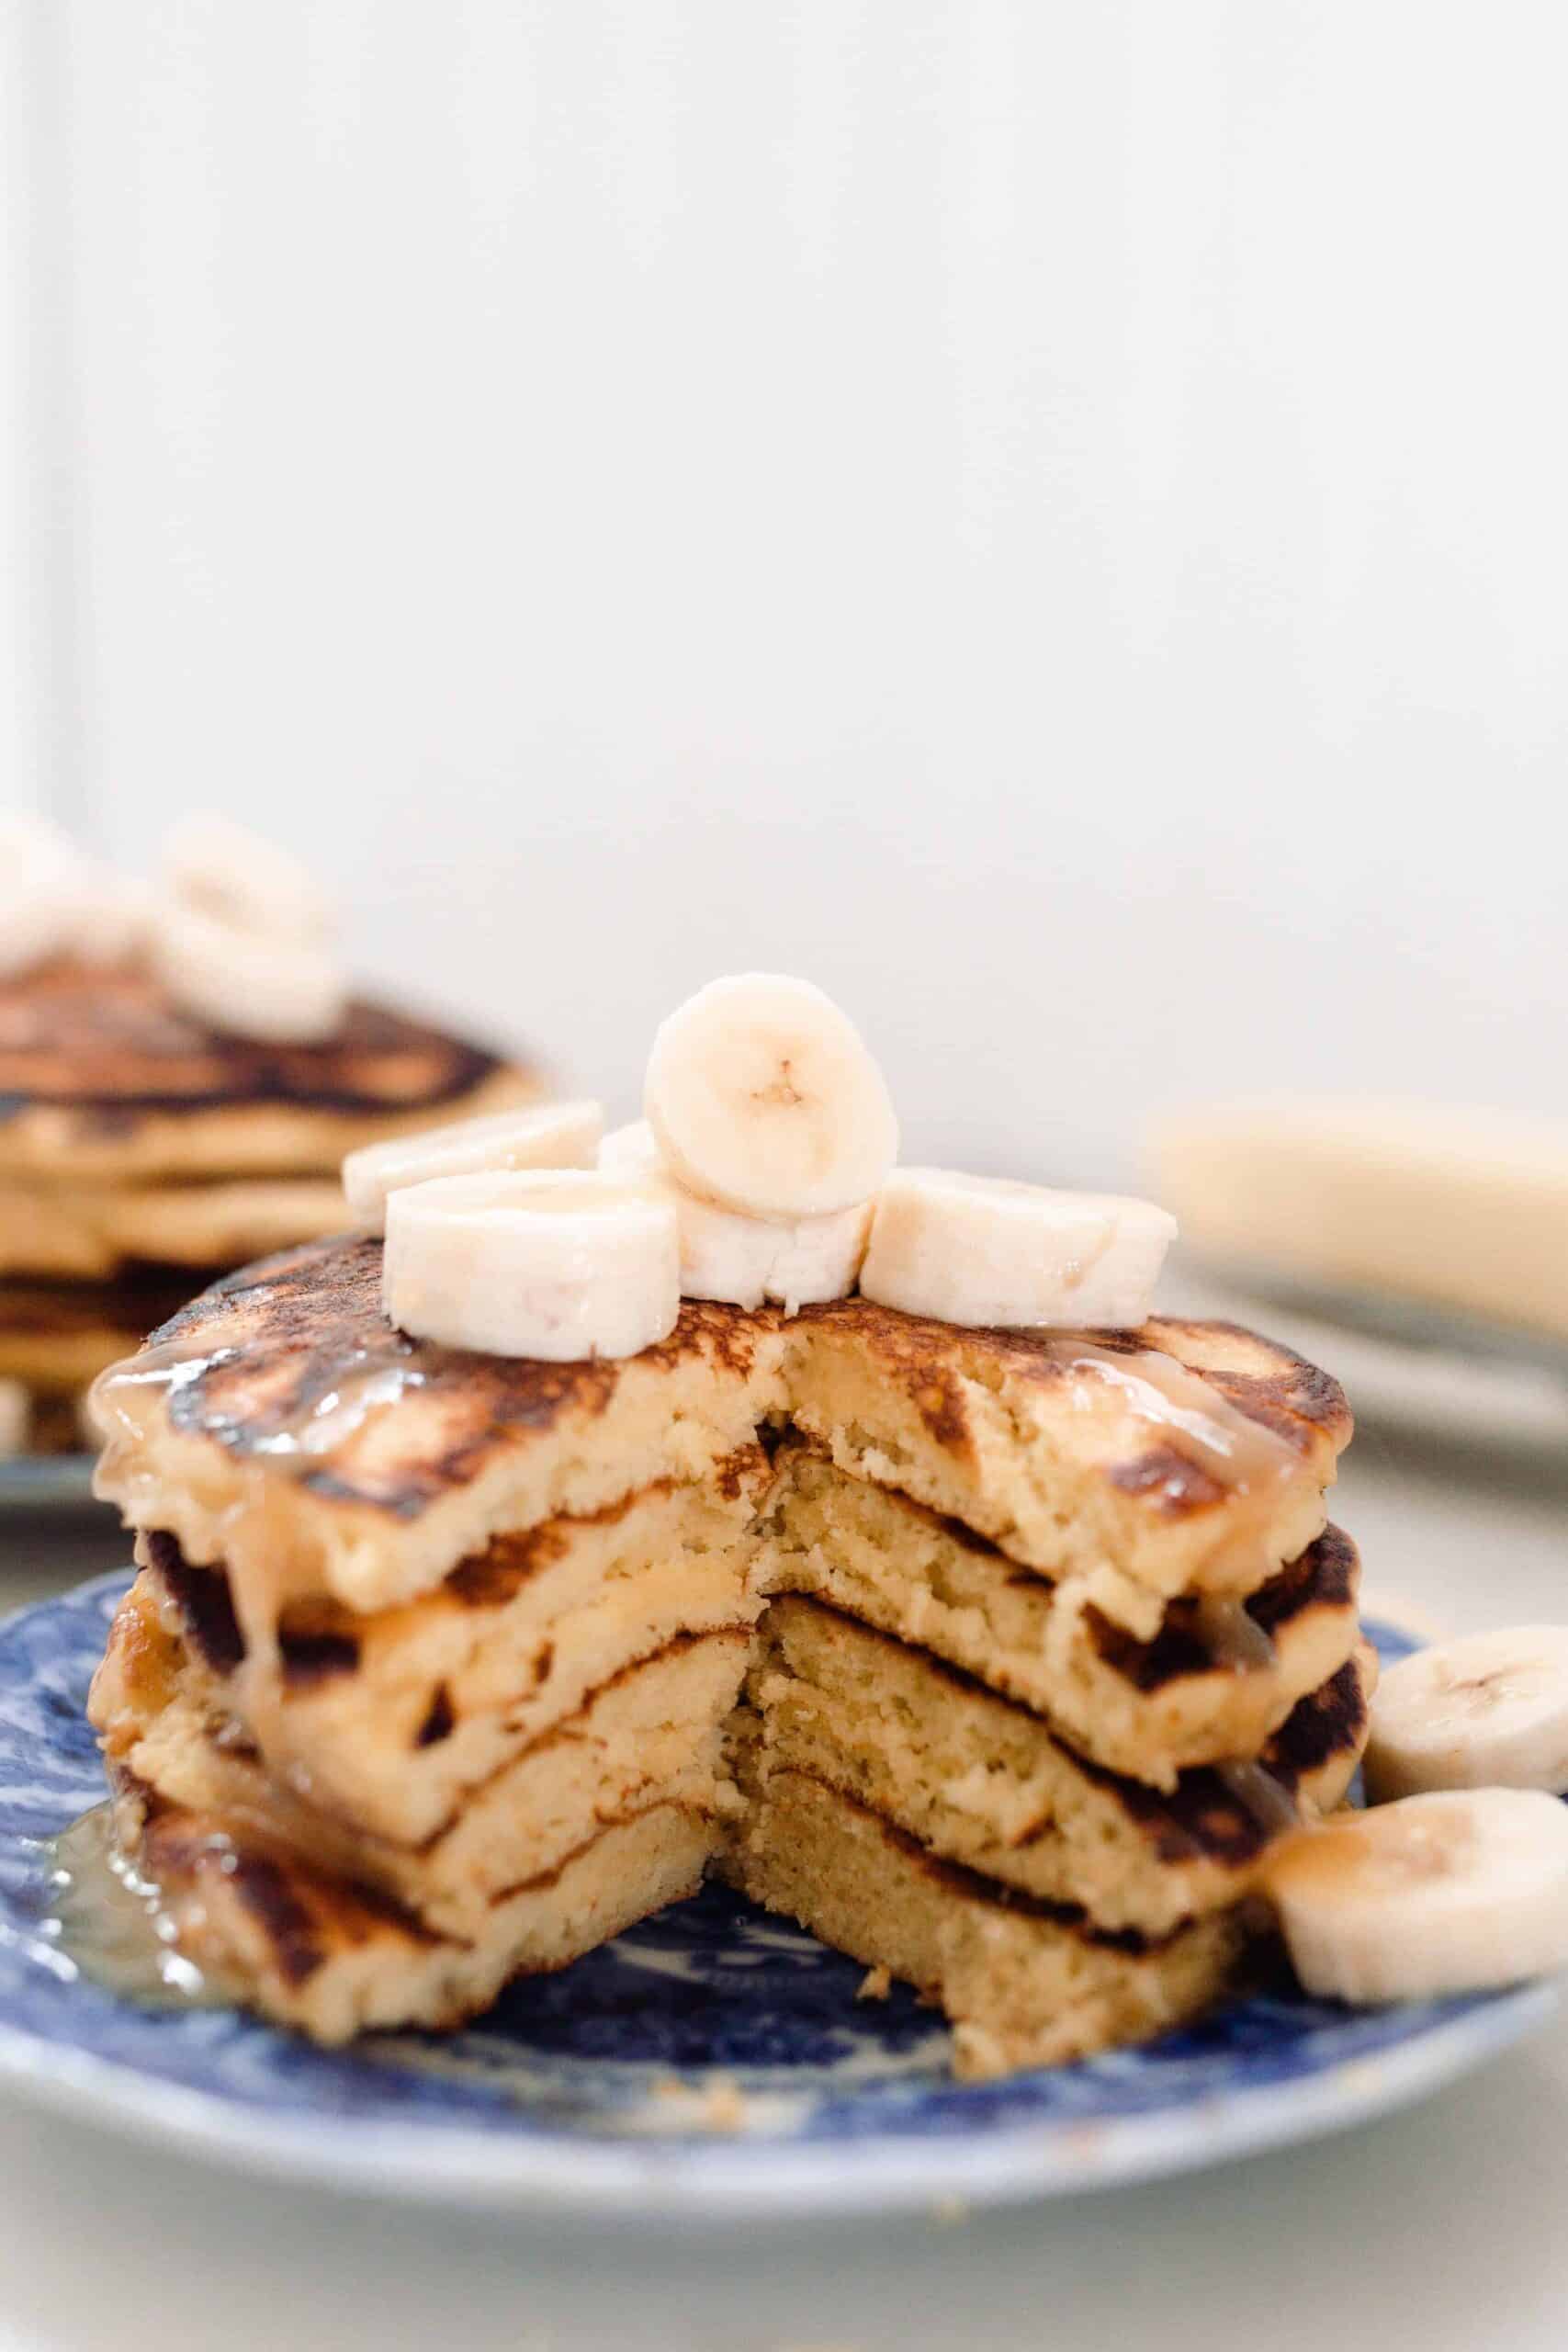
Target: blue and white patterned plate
point(710, 2061)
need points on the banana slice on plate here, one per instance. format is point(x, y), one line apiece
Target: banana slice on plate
point(764, 1098)
point(280, 990)
point(745, 1260)
point(1456, 1892)
point(224, 870)
point(550, 1134)
point(1487, 1710)
point(985, 1251)
point(560, 1264)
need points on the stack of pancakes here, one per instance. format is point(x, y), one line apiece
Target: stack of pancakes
point(140, 1152)
point(997, 1660)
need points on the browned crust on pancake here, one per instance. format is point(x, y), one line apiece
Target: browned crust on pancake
point(1325, 1575)
point(957, 1878)
point(289, 1331)
point(109, 1044)
point(203, 1601)
point(1200, 1818)
point(303, 1323)
point(1293, 1399)
point(1176, 1482)
point(305, 1914)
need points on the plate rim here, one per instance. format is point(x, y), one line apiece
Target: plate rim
point(47, 1483)
point(448, 2164)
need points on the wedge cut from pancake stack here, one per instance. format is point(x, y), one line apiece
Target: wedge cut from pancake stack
point(996, 1658)
point(148, 1144)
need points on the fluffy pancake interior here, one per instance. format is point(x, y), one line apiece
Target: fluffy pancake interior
point(983, 1781)
point(1023, 1984)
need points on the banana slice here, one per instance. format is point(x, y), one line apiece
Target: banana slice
point(1489, 1711)
point(38, 877)
point(763, 1097)
point(745, 1260)
point(1454, 1891)
point(111, 915)
point(224, 870)
point(981, 1250)
point(552, 1135)
point(558, 1264)
point(250, 983)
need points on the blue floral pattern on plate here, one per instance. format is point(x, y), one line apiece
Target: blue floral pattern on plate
point(711, 2059)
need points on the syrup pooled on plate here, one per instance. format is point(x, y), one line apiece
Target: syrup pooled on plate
point(110, 1923)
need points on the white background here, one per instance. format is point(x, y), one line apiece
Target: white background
point(1048, 518)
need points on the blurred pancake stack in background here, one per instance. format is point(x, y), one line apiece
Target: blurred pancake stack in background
point(181, 1073)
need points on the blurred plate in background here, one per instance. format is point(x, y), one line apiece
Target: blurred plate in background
point(1429, 1368)
point(61, 1483)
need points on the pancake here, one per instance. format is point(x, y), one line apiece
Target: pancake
point(92, 1232)
point(334, 1957)
point(1000, 1661)
point(1023, 1982)
point(1113, 1875)
point(507, 1648)
point(980, 1780)
point(57, 1337)
point(386, 1460)
point(1187, 1456)
point(1212, 1682)
point(651, 1735)
point(100, 1075)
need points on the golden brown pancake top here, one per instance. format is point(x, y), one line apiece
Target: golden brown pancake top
point(286, 1344)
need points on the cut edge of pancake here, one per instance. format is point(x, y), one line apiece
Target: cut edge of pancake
point(432, 1452)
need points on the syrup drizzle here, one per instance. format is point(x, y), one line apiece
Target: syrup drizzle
point(111, 1923)
point(1232, 1637)
point(1239, 1453)
point(1257, 1790)
point(1253, 1464)
point(296, 1439)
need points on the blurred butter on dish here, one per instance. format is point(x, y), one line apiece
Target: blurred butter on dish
point(1448, 1207)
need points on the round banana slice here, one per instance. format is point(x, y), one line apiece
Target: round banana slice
point(764, 1098)
point(551, 1135)
point(1454, 1891)
point(111, 915)
point(558, 1264)
point(39, 879)
point(224, 870)
point(250, 983)
point(745, 1260)
point(1488, 1711)
point(984, 1250)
